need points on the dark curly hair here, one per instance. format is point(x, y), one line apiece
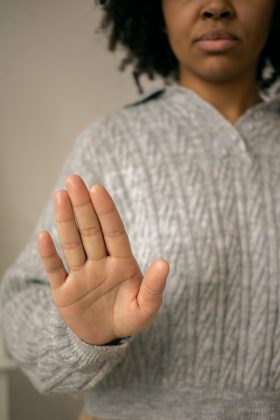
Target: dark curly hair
point(138, 26)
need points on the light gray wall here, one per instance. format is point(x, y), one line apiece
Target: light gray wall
point(56, 76)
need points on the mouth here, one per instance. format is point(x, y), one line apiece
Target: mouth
point(217, 40)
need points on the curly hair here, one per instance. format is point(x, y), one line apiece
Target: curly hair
point(138, 27)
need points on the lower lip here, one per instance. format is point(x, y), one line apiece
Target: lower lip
point(216, 45)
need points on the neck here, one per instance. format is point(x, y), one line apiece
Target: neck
point(230, 99)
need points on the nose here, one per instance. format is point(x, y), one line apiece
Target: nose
point(217, 10)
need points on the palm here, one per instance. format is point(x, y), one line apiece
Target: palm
point(108, 295)
point(104, 295)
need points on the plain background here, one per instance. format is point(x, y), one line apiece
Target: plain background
point(56, 77)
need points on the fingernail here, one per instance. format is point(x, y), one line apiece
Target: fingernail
point(58, 196)
point(96, 187)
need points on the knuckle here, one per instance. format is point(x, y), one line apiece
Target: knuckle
point(82, 206)
point(54, 267)
point(96, 258)
point(150, 291)
point(150, 310)
point(77, 267)
point(115, 233)
point(149, 302)
point(108, 212)
point(90, 231)
point(71, 245)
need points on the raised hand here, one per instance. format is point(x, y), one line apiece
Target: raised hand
point(102, 295)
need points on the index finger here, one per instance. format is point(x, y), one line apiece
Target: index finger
point(114, 233)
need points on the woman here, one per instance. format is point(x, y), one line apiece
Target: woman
point(194, 170)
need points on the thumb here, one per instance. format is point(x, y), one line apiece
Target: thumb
point(150, 293)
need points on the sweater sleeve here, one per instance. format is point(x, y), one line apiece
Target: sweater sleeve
point(50, 354)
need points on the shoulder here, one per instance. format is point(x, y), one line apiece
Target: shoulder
point(270, 109)
point(151, 97)
point(143, 112)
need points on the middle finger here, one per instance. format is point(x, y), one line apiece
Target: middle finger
point(87, 220)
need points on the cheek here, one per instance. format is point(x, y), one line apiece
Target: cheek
point(180, 44)
point(257, 38)
point(256, 23)
point(180, 35)
point(180, 17)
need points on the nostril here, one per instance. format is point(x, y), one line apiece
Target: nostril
point(225, 14)
point(207, 14)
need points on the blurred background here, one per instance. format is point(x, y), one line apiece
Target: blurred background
point(56, 77)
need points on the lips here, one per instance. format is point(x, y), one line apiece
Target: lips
point(216, 34)
point(217, 41)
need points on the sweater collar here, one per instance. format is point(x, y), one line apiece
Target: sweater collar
point(184, 103)
point(268, 106)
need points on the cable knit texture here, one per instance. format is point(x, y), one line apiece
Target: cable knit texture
point(205, 194)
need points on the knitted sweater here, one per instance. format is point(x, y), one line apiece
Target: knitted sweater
point(204, 194)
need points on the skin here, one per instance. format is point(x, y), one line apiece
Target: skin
point(227, 80)
point(102, 294)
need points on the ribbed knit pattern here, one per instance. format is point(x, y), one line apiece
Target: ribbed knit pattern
point(204, 194)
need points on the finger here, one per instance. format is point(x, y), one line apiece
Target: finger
point(68, 231)
point(115, 236)
point(150, 293)
point(86, 217)
point(51, 260)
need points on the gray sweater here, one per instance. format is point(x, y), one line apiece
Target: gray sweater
point(204, 194)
